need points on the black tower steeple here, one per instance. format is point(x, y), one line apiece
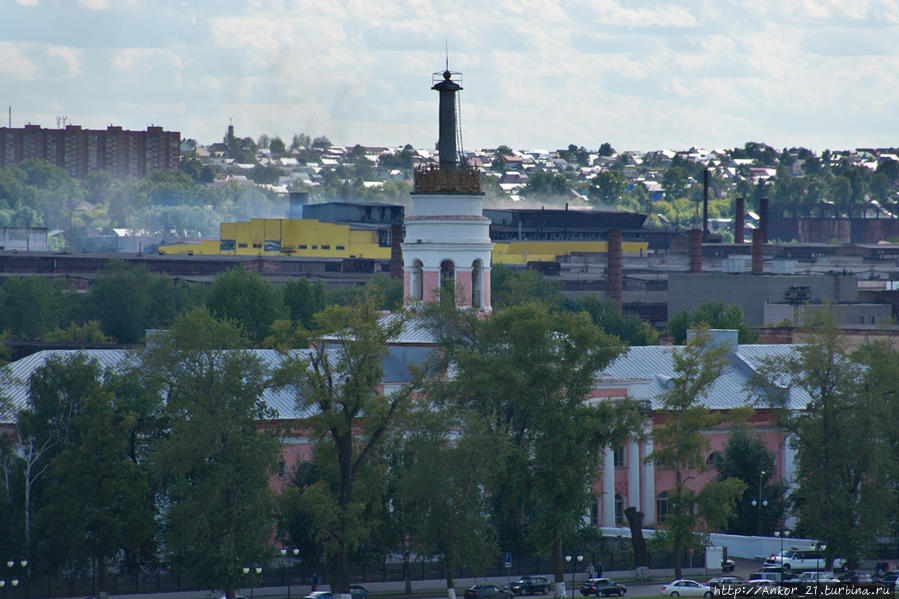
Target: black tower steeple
point(446, 145)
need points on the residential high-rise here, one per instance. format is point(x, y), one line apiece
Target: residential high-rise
point(79, 151)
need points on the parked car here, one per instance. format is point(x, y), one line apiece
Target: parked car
point(487, 591)
point(358, 591)
point(686, 588)
point(801, 560)
point(889, 579)
point(772, 575)
point(855, 576)
point(318, 595)
point(602, 587)
point(725, 580)
point(812, 577)
point(530, 585)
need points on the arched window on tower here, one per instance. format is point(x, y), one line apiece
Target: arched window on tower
point(416, 282)
point(447, 279)
point(477, 284)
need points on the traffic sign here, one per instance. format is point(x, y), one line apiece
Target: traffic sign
point(507, 558)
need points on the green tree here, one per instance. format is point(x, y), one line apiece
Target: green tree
point(552, 433)
point(247, 299)
point(30, 306)
point(674, 183)
point(841, 482)
point(447, 515)
point(681, 445)
point(128, 300)
point(712, 314)
point(608, 187)
point(604, 314)
point(747, 458)
point(606, 149)
point(543, 183)
point(213, 462)
point(98, 501)
point(510, 287)
point(339, 384)
point(277, 146)
point(303, 299)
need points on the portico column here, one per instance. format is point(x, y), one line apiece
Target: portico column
point(608, 487)
point(788, 470)
point(649, 486)
point(633, 474)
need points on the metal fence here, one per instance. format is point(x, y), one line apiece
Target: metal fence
point(284, 572)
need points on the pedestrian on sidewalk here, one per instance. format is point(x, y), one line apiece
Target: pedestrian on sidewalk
point(591, 571)
point(598, 569)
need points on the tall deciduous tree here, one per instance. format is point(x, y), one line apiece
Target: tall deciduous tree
point(214, 461)
point(681, 445)
point(445, 515)
point(528, 372)
point(340, 383)
point(98, 501)
point(841, 478)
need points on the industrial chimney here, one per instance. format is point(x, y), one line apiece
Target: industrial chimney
point(757, 255)
point(705, 202)
point(615, 277)
point(695, 250)
point(739, 220)
point(763, 219)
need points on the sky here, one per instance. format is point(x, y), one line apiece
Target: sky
point(639, 74)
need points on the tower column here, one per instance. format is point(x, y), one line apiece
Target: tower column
point(608, 487)
point(633, 474)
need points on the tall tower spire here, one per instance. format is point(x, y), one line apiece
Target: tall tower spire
point(446, 145)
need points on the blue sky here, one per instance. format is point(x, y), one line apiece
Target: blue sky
point(639, 74)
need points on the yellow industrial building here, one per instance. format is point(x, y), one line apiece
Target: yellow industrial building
point(310, 238)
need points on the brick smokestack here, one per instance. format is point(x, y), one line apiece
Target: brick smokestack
point(758, 260)
point(739, 220)
point(396, 252)
point(695, 250)
point(763, 219)
point(616, 279)
point(705, 202)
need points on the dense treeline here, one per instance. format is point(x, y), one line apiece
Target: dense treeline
point(161, 463)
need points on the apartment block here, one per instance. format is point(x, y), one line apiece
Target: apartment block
point(80, 151)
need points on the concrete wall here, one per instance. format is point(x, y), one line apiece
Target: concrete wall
point(752, 292)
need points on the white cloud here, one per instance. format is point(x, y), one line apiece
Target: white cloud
point(95, 4)
point(15, 64)
point(27, 2)
point(65, 62)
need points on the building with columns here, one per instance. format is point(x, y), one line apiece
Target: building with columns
point(628, 479)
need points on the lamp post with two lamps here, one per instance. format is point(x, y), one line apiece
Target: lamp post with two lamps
point(782, 533)
point(290, 555)
point(255, 569)
point(759, 503)
point(12, 578)
point(574, 560)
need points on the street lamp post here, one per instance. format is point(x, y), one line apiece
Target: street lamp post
point(257, 570)
point(574, 560)
point(14, 579)
point(782, 533)
point(290, 555)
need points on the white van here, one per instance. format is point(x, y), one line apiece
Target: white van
point(797, 560)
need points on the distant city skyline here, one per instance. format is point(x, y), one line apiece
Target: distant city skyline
point(641, 75)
